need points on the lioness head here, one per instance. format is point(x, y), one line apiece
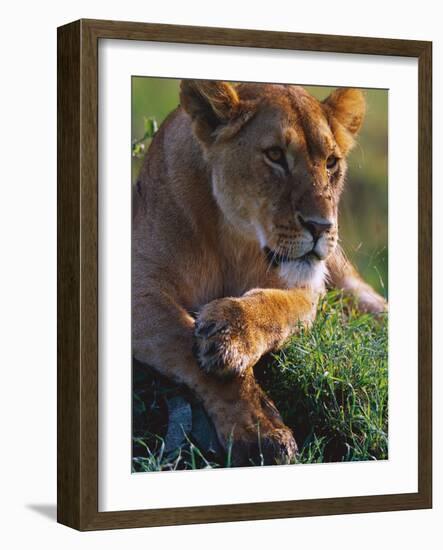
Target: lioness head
point(278, 159)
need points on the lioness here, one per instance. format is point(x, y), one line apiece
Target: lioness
point(234, 237)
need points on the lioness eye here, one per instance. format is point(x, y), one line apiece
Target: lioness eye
point(275, 154)
point(331, 162)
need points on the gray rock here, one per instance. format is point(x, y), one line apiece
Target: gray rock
point(180, 422)
point(203, 431)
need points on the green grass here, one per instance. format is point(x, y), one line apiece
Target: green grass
point(329, 383)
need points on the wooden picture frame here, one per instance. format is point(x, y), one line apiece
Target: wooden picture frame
point(78, 273)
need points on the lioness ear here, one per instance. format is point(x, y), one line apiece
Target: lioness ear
point(348, 106)
point(209, 104)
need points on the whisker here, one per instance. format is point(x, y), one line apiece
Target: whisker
point(271, 262)
point(286, 256)
point(275, 253)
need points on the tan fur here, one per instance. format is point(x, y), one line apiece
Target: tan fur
point(211, 212)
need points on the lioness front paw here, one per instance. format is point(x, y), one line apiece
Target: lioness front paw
point(224, 344)
point(369, 301)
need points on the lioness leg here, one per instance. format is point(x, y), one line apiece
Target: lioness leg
point(232, 334)
point(344, 276)
point(239, 409)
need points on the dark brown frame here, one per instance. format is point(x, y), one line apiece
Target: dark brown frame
point(77, 480)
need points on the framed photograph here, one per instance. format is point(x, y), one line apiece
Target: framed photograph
point(244, 274)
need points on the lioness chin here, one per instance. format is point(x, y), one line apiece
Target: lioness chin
point(234, 238)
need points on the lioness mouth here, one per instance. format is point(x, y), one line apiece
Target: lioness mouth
point(276, 259)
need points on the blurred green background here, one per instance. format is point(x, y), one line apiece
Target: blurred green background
point(364, 205)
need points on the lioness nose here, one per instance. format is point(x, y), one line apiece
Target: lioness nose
point(315, 227)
